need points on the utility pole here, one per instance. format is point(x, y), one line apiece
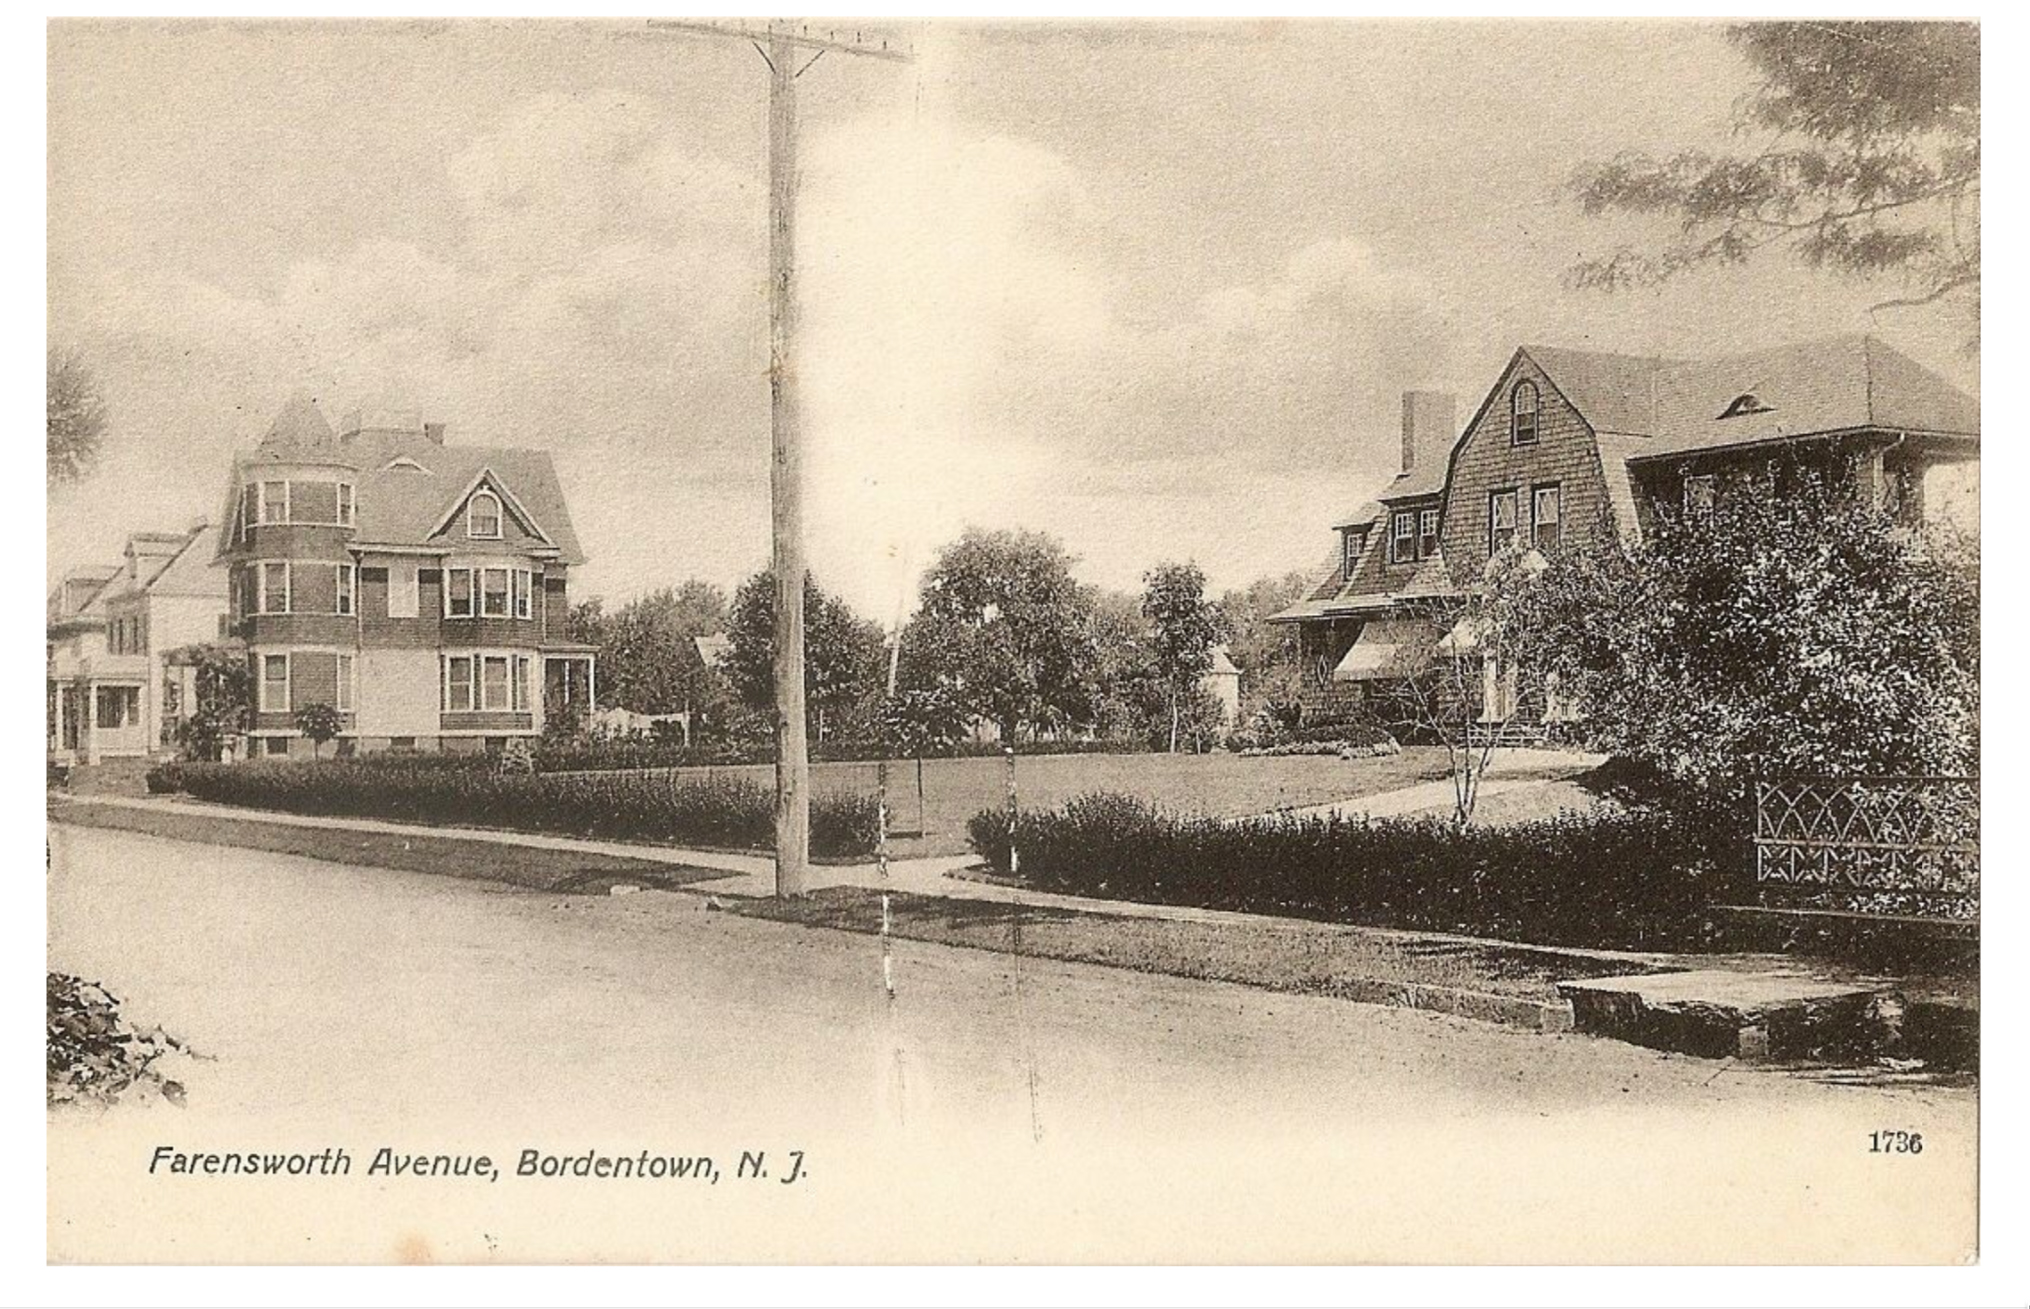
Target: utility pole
point(786, 44)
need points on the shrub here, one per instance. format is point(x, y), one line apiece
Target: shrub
point(1638, 878)
point(92, 1053)
point(713, 811)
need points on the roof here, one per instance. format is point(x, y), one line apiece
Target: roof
point(1387, 647)
point(1834, 384)
point(406, 483)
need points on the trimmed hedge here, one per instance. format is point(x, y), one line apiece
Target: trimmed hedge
point(1634, 879)
point(711, 811)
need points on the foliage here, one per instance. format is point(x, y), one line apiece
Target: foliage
point(77, 418)
point(712, 810)
point(1341, 737)
point(1795, 633)
point(843, 656)
point(222, 691)
point(920, 721)
point(1183, 629)
point(1004, 628)
point(1626, 879)
point(648, 656)
point(319, 722)
point(94, 1055)
point(1865, 160)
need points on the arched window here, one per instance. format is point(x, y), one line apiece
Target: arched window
point(1522, 414)
point(482, 517)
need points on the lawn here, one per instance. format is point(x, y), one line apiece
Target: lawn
point(1224, 785)
point(537, 868)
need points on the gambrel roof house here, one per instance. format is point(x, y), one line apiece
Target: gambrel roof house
point(1614, 424)
point(1570, 442)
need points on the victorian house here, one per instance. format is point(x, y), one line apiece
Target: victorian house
point(416, 586)
point(116, 688)
point(1570, 443)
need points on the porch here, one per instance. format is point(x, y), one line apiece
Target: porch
point(92, 718)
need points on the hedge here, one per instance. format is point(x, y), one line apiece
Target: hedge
point(1628, 879)
point(710, 811)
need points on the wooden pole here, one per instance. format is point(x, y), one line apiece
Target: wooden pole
point(792, 755)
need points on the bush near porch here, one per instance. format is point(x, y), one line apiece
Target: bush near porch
point(719, 811)
point(1637, 878)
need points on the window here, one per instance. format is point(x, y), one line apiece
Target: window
point(1427, 534)
point(247, 494)
point(482, 517)
point(274, 502)
point(458, 592)
point(1500, 521)
point(494, 682)
point(275, 684)
point(344, 692)
point(342, 584)
point(1349, 549)
point(494, 596)
point(345, 504)
point(172, 698)
point(274, 588)
point(1522, 414)
point(117, 706)
point(458, 683)
point(524, 588)
point(402, 590)
point(1700, 492)
point(401, 745)
point(521, 684)
point(278, 747)
point(1402, 537)
point(1547, 507)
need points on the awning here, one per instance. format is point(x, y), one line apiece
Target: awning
point(1386, 647)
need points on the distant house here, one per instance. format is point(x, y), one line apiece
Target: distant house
point(418, 587)
point(1222, 682)
point(1570, 443)
point(112, 691)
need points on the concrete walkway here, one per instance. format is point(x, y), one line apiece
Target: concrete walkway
point(1508, 771)
point(753, 876)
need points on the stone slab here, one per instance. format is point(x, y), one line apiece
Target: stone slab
point(1726, 1013)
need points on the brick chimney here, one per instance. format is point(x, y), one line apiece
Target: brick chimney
point(1428, 428)
point(435, 432)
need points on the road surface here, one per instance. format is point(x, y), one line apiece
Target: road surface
point(996, 1109)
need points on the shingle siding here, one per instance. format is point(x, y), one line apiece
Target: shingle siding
point(1564, 455)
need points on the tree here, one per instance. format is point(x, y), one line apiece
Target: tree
point(1492, 634)
point(1183, 629)
point(319, 722)
point(1004, 627)
point(915, 722)
point(222, 691)
point(843, 663)
point(648, 655)
point(1801, 633)
point(77, 418)
point(1866, 161)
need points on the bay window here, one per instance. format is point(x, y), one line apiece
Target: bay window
point(457, 683)
point(494, 594)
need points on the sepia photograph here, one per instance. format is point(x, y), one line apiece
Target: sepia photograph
point(741, 641)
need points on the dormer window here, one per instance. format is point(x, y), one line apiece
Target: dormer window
point(482, 517)
point(403, 464)
point(345, 504)
point(1746, 403)
point(1522, 414)
point(1403, 537)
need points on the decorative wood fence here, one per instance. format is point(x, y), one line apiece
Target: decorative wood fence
point(1905, 847)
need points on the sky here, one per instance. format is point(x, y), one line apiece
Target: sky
point(1154, 289)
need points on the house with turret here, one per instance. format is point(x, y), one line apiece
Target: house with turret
point(417, 586)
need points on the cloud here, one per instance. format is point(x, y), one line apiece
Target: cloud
point(969, 354)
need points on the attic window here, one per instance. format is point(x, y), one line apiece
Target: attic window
point(403, 463)
point(1522, 414)
point(482, 517)
point(1746, 403)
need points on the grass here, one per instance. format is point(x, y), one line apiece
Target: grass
point(535, 868)
point(1224, 785)
point(1300, 958)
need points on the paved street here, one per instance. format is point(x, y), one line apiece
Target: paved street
point(996, 1109)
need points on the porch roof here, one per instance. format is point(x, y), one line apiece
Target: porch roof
point(1387, 647)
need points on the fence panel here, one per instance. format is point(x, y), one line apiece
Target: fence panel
point(1891, 846)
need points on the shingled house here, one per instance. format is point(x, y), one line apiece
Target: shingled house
point(1569, 443)
point(418, 587)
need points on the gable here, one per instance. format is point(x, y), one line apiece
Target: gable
point(518, 528)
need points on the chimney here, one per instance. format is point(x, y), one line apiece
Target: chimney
point(1427, 428)
point(434, 431)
